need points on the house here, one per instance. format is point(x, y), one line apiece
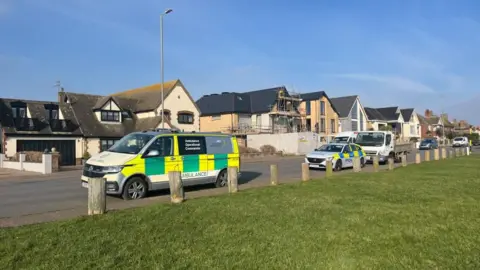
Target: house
point(376, 121)
point(81, 123)
point(411, 124)
point(439, 126)
point(351, 114)
point(462, 127)
point(28, 125)
point(394, 119)
point(271, 110)
point(424, 126)
point(318, 113)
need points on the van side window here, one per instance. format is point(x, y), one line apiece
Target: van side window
point(388, 139)
point(163, 145)
point(191, 145)
point(219, 145)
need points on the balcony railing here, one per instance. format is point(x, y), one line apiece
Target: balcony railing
point(28, 124)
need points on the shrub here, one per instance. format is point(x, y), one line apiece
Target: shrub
point(247, 150)
point(86, 155)
point(268, 149)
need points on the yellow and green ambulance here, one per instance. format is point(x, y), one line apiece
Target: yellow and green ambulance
point(140, 161)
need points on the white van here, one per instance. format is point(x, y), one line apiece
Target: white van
point(345, 137)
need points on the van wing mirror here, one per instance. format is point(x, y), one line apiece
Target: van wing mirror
point(152, 153)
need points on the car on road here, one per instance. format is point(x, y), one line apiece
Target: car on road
point(428, 144)
point(141, 161)
point(460, 142)
point(341, 155)
point(476, 142)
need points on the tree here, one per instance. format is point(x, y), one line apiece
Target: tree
point(385, 128)
point(439, 132)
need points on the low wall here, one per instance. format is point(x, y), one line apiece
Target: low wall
point(44, 167)
point(290, 143)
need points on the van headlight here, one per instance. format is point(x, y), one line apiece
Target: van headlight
point(112, 169)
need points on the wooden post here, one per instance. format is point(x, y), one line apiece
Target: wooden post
point(305, 172)
point(427, 155)
point(404, 160)
point(468, 150)
point(463, 151)
point(451, 154)
point(444, 153)
point(391, 164)
point(274, 174)
point(418, 158)
point(376, 163)
point(177, 194)
point(97, 196)
point(232, 179)
point(357, 164)
point(457, 152)
point(436, 154)
point(328, 168)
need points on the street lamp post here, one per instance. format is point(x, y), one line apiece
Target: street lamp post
point(161, 62)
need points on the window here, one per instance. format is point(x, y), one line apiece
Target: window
point(322, 107)
point(19, 112)
point(354, 126)
point(110, 116)
point(216, 117)
point(133, 143)
point(361, 121)
point(163, 145)
point(52, 114)
point(355, 147)
point(105, 144)
point(355, 111)
point(308, 108)
point(332, 125)
point(219, 145)
point(191, 145)
point(388, 139)
point(185, 118)
point(126, 115)
point(322, 125)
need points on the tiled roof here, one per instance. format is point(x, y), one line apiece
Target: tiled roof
point(254, 102)
point(38, 122)
point(316, 96)
point(407, 114)
point(373, 114)
point(389, 113)
point(147, 98)
point(83, 105)
point(422, 119)
point(343, 105)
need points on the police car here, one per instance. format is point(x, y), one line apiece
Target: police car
point(341, 155)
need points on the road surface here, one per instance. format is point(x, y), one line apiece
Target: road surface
point(61, 195)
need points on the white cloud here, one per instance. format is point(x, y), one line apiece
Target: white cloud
point(394, 83)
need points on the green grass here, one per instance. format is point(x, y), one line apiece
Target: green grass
point(424, 216)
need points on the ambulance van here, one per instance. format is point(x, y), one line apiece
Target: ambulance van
point(140, 161)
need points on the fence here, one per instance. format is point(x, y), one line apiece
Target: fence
point(97, 195)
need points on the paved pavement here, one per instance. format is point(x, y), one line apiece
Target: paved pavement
point(60, 196)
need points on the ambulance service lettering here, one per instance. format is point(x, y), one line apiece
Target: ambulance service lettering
point(192, 145)
point(194, 174)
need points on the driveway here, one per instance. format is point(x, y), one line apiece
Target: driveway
point(60, 195)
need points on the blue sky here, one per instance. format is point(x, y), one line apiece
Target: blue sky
point(421, 54)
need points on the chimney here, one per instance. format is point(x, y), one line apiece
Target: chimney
point(428, 113)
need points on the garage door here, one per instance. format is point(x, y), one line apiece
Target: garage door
point(66, 148)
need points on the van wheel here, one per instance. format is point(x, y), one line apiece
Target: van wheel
point(338, 166)
point(222, 179)
point(135, 188)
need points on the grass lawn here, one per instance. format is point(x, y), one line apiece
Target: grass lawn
point(424, 216)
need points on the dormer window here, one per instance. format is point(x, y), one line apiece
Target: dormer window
point(52, 111)
point(19, 109)
point(110, 116)
point(126, 115)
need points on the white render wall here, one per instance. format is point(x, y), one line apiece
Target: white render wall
point(290, 143)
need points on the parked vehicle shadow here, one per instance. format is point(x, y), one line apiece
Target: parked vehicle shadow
point(245, 177)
